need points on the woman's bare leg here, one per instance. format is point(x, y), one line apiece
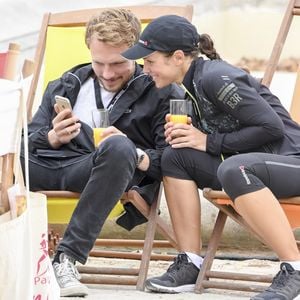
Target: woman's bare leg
point(184, 207)
point(263, 213)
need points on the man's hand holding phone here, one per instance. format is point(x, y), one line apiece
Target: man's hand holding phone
point(65, 124)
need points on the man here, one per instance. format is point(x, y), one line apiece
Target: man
point(62, 153)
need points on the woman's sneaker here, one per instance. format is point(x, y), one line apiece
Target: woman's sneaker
point(181, 276)
point(285, 285)
point(68, 277)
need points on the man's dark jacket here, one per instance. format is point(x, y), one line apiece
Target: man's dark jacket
point(138, 112)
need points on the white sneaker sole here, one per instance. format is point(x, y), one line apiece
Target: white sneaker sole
point(171, 290)
point(78, 290)
point(297, 298)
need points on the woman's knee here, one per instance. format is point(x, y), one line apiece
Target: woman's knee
point(170, 159)
point(229, 170)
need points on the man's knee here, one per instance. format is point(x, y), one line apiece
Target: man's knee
point(117, 148)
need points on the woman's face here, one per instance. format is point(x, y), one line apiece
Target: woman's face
point(163, 69)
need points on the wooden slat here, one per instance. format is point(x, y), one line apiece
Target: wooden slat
point(144, 13)
point(295, 103)
point(131, 243)
point(6, 180)
point(297, 4)
point(27, 68)
point(280, 40)
point(240, 276)
point(98, 279)
point(108, 271)
point(128, 255)
point(38, 61)
point(246, 287)
point(214, 194)
point(11, 61)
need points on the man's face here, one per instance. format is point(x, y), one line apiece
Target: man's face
point(112, 69)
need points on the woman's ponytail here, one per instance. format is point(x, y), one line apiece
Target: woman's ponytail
point(206, 47)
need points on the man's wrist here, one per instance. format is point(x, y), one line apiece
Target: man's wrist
point(140, 156)
point(53, 140)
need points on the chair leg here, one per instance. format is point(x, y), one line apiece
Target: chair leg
point(211, 251)
point(161, 225)
point(148, 244)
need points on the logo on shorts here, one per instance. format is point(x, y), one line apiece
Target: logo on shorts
point(242, 168)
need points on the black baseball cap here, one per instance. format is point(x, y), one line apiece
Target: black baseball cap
point(166, 33)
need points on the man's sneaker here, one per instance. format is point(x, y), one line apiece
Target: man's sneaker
point(68, 277)
point(285, 285)
point(180, 277)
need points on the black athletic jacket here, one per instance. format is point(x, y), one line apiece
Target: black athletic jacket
point(238, 113)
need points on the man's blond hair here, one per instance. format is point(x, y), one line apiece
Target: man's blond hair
point(115, 26)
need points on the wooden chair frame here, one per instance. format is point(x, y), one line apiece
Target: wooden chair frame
point(79, 18)
point(7, 160)
point(291, 206)
point(221, 200)
point(293, 9)
point(10, 61)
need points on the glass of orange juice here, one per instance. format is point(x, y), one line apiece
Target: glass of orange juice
point(178, 111)
point(100, 119)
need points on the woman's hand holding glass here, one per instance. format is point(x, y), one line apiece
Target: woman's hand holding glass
point(180, 135)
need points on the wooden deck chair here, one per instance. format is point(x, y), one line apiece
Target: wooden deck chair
point(10, 92)
point(8, 70)
point(230, 280)
point(60, 33)
point(9, 61)
point(7, 153)
point(250, 282)
point(295, 103)
point(293, 9)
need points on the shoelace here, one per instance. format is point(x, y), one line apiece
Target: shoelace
point(178, 262)
point(280, 279)
point(67, 268)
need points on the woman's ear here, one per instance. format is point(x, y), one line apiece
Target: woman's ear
point(178, 57)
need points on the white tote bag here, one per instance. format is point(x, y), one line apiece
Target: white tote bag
point(25, 268)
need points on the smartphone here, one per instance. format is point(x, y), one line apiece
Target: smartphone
point(62, 102)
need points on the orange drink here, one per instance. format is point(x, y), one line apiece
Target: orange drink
point(178, 111)
point(100, 118)
point(179, 119)
point(97, 134)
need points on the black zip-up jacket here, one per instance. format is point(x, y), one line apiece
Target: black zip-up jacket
point(139, 113)
point(238, 113)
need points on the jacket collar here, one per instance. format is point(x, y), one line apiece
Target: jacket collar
point(130, 93)
point(74, 78)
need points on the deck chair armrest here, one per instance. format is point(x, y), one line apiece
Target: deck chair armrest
point(291, 200)
point(211, 194)
point(60, 194)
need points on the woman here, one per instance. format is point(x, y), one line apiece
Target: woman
point(234, 118)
